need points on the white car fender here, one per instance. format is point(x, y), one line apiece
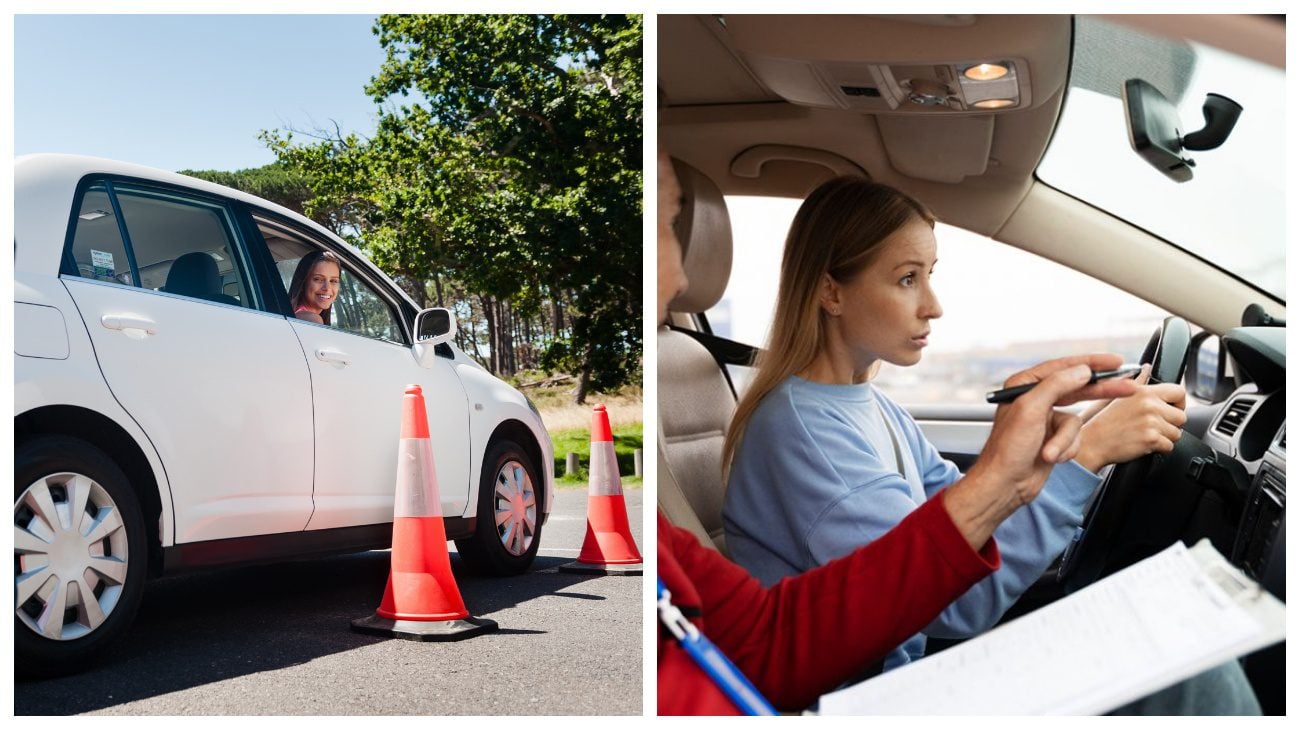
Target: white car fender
point(491, 403)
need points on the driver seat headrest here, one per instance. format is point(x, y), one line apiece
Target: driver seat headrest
point(704, 229)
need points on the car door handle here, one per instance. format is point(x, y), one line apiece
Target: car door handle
point(335, 356)
point(132, 325)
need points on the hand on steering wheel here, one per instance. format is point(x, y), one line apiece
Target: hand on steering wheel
point(1149, 421)
point(1087, 559)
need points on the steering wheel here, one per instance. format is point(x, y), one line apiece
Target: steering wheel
point(1087, 558)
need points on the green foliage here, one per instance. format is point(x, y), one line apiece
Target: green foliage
point(274, 182)
point(507, 158)
point(627, 439)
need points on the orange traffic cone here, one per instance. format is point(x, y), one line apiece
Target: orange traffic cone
point(608, 547)
point(421, 601)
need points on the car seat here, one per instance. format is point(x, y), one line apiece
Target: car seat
point(195, 275)
point(695, 399)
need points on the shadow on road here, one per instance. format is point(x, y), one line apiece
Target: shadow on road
point(197, 629)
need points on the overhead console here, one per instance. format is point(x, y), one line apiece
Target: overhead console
point(945, 87)
point(914, 65)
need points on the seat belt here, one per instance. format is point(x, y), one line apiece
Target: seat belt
point(724, 351)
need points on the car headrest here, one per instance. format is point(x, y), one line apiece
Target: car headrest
point(704, 229)
point(194, 275)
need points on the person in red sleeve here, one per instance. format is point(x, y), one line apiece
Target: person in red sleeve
point(810, 633)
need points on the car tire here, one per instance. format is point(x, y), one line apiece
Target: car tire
point(64, 552)
point(509, 486)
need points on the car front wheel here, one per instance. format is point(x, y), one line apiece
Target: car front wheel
point(508, 530)
point(80, 557)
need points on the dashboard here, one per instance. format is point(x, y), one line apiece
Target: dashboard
point(1250, 428)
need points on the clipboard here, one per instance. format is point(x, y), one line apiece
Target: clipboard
point(1147, 627)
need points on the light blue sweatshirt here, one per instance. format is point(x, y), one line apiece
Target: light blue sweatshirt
point(815, 477)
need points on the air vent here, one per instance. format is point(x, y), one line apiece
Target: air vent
point(1232, 418)
point(860, 91)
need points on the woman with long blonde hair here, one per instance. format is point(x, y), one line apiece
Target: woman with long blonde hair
point(821, 462)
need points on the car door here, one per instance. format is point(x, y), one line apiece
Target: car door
point(161, 280)
point(360, 365)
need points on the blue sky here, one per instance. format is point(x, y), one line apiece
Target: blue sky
point(187, 91)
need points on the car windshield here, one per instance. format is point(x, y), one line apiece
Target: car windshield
point(1232, 212)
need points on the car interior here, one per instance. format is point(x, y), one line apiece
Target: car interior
point(195, 274)
point(959, 111)
point(198, 264)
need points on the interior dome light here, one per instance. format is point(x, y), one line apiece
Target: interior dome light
point(985, 72)
point(994, 103)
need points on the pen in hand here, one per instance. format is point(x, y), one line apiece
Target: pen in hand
point(1006, 395)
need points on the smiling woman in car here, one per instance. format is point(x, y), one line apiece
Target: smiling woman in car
point(822, 462)
point(314, 286)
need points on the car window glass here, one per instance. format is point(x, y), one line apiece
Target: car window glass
point(97, 246)
point(1231, 213)
point(358, 308)
point(361, 310)
point(176, 245)
point(1004, 309)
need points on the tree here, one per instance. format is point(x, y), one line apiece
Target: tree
point(274, 182)
point(506, 158)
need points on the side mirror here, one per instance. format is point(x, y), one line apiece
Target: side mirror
point(435, 326)
point(1207, 377)
point(432, 328)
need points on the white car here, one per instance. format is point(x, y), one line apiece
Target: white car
point(171, 413)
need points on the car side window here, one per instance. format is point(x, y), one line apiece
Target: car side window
point(1004, 309)
point(97, 247)
point(361, 310)
point(158, 240)
point(358, 308)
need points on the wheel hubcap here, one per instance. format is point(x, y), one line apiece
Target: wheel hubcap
point(70, 556)
point(516, 508)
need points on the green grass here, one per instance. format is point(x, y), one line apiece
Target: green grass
point(627, 438)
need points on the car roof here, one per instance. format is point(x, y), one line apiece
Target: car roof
point(45, 184)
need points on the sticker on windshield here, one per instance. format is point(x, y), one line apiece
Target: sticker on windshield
point(102, 262)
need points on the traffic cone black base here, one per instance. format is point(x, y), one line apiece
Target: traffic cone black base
point(578, 566)
point(462, 628)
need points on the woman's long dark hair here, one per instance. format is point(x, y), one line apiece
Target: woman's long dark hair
point(298, 284)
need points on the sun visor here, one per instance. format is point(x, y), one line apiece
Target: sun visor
point(940, 149)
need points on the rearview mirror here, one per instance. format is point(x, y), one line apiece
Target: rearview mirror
point(1155, 132)
point(1153, 129)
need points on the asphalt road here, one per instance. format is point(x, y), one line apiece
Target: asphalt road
point(276, 639)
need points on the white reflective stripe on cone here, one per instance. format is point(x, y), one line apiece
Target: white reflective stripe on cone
point(417, 482)
point(603, 480)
